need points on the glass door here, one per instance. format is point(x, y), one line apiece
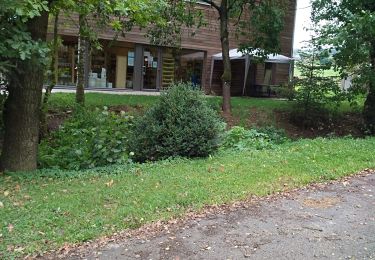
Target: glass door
point(150, 67)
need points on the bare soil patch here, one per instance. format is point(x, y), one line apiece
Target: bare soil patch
point(346, 124)
point(321, 203)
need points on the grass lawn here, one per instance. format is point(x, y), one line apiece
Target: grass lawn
point(261, 110)
point(43, 210)
point(327, 73)
point(241, 107)
point(63, 101)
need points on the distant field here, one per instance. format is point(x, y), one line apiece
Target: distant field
point(327, 73)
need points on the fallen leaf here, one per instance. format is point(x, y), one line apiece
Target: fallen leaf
point(1, 205)
point(19, 249)
point(109, 184)
point(10, 228)
point(18, 187)
point(6, 193)
point(17, 204)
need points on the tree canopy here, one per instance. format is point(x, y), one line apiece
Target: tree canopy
point(24, 51)
point(258, 23)
point(15, 40)
point(348, 26)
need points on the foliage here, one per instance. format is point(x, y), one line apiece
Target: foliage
point(348, 27)
point(239, 138)
point(314, 92)
point(90, 204)
point(259, 23)
point(174, 17)
point(262, 30)
point(16, 42)
point(87, 140)
point(287, 91)
point(181, 123)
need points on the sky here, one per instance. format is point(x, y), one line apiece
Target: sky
point(302, 21)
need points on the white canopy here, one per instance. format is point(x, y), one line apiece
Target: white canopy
point(235, 54)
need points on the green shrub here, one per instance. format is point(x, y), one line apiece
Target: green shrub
point(286, 91)
point(317, 96)
point(88, 139)
point(180, 124)
point(239, 138)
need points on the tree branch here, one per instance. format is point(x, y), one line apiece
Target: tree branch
point(239, 17)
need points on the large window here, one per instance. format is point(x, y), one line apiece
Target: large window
point(66, 64)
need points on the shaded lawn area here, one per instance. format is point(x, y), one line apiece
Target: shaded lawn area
point(61, 101)
point(45, 209)
point(64, 101)
point(242, 107)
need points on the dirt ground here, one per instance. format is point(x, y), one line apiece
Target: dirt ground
point(329, 221)
point(347, 124)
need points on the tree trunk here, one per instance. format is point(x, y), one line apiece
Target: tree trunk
point(80, 93)
point(369, 107)
point(55, 60)
point(22, 107)
point(54, 68)
point(226, 78)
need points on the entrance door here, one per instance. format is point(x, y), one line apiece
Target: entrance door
point(251, 81)
point(150, 67)
point(121, 67)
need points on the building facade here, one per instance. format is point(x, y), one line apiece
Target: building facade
point(131, 62)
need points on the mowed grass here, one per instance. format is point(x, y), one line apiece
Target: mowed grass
point(241, 106)
point(43, 210)
point(62, 101)
point(327, 73)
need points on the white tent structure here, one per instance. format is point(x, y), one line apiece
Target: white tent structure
point(235, 54)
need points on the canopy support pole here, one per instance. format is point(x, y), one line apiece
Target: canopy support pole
point(247, 66)
point(212, 71)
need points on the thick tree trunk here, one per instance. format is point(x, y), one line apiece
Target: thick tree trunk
point(80, 92)
point(22, 107)
point(369, 108)
point(226, 78)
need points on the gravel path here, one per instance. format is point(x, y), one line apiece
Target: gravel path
point(322, 222)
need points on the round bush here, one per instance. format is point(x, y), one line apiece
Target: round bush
point(180, 124)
